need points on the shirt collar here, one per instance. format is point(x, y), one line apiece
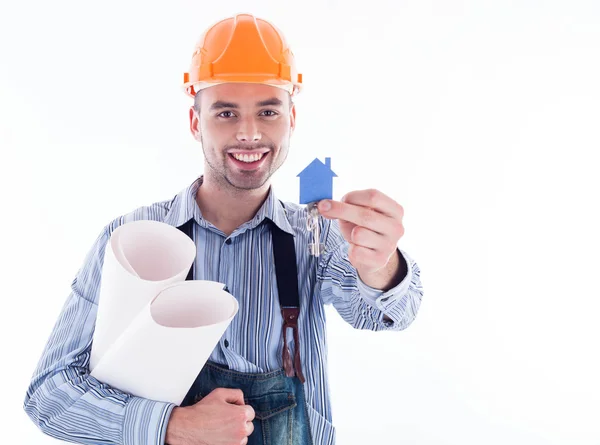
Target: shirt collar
point(184, 207)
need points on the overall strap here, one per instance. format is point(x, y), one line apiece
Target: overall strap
point(187, 228)
point(286, 272)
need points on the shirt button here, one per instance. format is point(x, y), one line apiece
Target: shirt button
point(228, 241)
point(226, 343)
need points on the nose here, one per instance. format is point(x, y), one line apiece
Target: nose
point(248, 130)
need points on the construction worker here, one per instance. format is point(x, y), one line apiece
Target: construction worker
point(266, 381)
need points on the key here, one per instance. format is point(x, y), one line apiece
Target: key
point(315, 248)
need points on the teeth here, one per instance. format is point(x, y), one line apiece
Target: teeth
point(248, 158)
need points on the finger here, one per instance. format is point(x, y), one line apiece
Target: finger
point(362, 216)
point(346, 229)
point(375, 200)
point(232, 395)
point(367, 238)
point(366, 258)
point(249, 428)
point(250, 414)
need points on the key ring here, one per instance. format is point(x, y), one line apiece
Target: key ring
point(315, 248)
point(313, 216)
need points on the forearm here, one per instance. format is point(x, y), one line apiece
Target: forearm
point(389, 276)
point(391, 304)
point(65, 402)
point(81, 409)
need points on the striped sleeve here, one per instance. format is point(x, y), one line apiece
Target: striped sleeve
point(64, 400)
point(358, 304)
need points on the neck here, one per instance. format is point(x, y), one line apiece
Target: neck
point(227, 207)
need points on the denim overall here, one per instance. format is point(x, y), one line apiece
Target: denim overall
point(277, 397)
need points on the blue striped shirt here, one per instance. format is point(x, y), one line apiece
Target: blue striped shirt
point(69, 404)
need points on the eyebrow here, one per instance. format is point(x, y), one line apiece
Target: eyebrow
point(271, 101)
point(220, 104)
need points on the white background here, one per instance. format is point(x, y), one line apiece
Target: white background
point(480, 118)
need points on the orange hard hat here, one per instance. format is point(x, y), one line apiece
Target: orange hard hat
point(242, 48)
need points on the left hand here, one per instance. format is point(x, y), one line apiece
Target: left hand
point(371, 222)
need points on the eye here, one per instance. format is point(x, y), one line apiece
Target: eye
point(224, 113)
point(271, 113)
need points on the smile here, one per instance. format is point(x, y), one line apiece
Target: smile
point(248, 158)
point(245, 161)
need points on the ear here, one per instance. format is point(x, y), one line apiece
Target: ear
point(194, 124)
point(293, 118)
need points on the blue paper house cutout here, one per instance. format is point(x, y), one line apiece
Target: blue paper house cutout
point(316, 181)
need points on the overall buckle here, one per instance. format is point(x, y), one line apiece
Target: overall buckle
point(290, 320)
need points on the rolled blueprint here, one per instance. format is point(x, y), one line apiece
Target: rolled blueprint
point(164, 348)
point(141, 259)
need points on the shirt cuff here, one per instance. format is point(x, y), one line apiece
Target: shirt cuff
point(383, 300)
point(146, 421)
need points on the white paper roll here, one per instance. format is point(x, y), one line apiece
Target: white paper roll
point(164, 348)
point(141, 259)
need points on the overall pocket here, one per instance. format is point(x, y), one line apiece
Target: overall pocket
point(274, 419)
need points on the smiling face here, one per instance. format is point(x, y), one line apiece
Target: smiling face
point(245, 132)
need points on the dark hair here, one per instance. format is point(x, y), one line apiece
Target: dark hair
point(197, 101)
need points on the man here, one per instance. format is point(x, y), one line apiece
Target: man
point(262, 384)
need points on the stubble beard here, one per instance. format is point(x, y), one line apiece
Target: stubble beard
point(222, 174)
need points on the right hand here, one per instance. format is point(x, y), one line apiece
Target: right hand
point(220, 418)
